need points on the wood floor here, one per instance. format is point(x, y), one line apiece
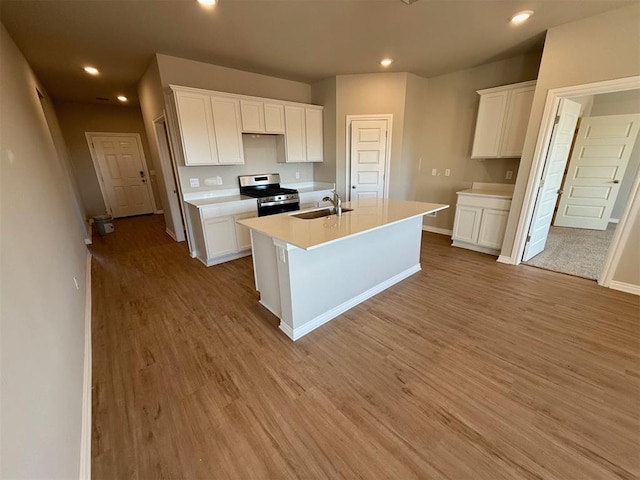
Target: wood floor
point(469, 369)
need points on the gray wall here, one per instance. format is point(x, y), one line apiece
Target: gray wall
point(41, 312)
point(324, 93)
point(78, 118)
point(450, 115)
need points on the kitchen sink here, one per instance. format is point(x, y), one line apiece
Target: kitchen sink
point(323, 212)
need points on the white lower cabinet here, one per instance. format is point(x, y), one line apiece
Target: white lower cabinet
point(216, 237)
point(219, 236)
point(480, 222)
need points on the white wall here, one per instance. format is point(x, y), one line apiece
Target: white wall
point(42, 313)
point(602, 47)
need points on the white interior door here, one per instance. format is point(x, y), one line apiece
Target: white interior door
point(600, 157)
point(368, 158)
point(557, 155)
point(123, 173)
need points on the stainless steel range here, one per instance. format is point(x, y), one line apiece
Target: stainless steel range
point(272, 198)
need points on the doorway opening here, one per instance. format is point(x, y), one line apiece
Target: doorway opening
point(579, 190)
point(368, 156)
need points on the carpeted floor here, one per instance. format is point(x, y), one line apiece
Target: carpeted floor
point(575, 251)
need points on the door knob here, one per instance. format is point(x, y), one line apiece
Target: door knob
point(616, 181)
point(560, 192)
point(353, 186)
point(142, 173)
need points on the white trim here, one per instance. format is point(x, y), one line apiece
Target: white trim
point(625, 287)
point(159, 212)
point(440, 231)
point(506, 259)
point(476, 248)
point(170, 233)
point(96, 165)
point(540, 153)
point(85, 435)
point(295, 333)
point(387, 170)
point(614, 220)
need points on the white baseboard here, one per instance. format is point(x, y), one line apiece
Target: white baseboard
point(506, 259)
point(85, 436)
point(625, 287)
point(171, 234)
point(440, 231)
point(476, 248)
point(295, 333)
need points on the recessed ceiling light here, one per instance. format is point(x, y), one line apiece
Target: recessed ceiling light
point(386, 62)
point(207, 3)
point(91, 70)
point(122, 98)
point(521, 16)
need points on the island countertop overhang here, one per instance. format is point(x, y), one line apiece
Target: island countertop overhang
point(367, 215)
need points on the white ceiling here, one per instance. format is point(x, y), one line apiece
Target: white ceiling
point(304, 40)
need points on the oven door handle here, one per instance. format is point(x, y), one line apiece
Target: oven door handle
point(281, 202)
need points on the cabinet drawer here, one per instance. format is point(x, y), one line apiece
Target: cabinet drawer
point(484, 202)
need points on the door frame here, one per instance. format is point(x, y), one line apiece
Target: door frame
point(537, 167)
point(170, 178)
point(96, 166)
point(387, 168)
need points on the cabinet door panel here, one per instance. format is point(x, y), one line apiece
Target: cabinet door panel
point(313, 124)
point(492, 227)
point(273, 118)
point(489, 124)
point(515, 130)
point(243, 234)
point(219, 234)
point(228, 129)
point(252, 116)
point(467, 224)
point(295, 137)
point(196, 128)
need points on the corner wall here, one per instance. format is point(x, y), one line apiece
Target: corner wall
point(42, 313)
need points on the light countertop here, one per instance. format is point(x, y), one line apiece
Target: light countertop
point(204, 199)
point(495, 190)
point(366, 215)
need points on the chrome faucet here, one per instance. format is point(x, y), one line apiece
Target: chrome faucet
point(336, 201)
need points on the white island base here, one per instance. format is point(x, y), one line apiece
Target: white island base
point(307, 287)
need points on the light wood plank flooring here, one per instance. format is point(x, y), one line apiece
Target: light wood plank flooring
point(467, 370)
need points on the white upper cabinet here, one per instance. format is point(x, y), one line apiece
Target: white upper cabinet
point(210, 125)
point(228, 129)
point(195, 120)
point(503, 116)
point(262, 117)
point(210, 128)
point(303, 139)
point(314, 134)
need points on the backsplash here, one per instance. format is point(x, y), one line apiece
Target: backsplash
point(260, 157)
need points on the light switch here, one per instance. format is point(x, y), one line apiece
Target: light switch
point(509, 175)
point(194, 182)
point(447, 172)
point(434, 171)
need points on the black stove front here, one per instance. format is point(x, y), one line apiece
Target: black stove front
point(272, 198)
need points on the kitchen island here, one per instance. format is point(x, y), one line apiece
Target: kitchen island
point(309, 271)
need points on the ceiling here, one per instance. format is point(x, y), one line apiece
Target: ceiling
point(304, 40)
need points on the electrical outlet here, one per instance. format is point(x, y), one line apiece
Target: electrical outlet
point(194, 182)
point(509, 175)
point(434, 171)
point(447, 172)
point(219, 180)
point(297, 175)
